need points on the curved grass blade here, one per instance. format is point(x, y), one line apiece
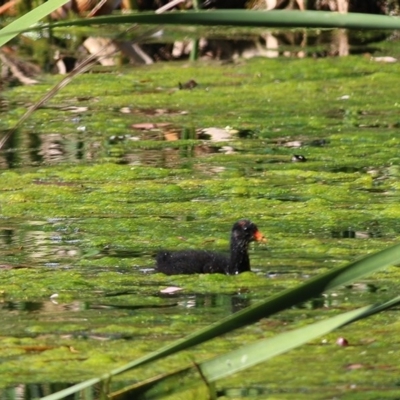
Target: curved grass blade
point(84, 66)
point(249, 18)
point(25, 22)
point(258, 352)
point(245, 357)
point(287, 298)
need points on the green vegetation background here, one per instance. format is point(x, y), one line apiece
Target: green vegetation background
point(179, 195)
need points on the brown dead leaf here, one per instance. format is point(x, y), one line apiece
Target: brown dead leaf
point(8, 266)
point(354, 366)
point(36, 349)
point(171, 136)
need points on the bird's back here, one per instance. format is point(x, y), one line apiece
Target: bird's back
point(192, 262)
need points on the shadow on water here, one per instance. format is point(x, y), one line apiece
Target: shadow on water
point(164, 147)
point(35, 391)
point(38, 243)
point(128, 300)
point(369, 229)
point(231, 44)
point(35, 149)
point(232, 303)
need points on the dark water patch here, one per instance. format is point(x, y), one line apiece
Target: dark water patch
point(152, 111)
point(128, 307)
point(289, 198)
point(152, 143)
point(158, 147)
point(26, 306)
point(363, 287)
point(318, 143)
point(120, 253)
point(41, 242)
point(55, 183)
point(36, 390)
point(34, 149)
point(373, 190)
point(373, 229)
point(287, 271)
point(299, 142)
point(348, 169)
point(230, 303)
point(352, 234)
point(47, 316)
point(252, 392)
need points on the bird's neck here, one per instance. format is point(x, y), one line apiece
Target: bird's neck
point(239, 261)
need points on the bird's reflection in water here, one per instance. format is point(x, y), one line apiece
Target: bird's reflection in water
point(232, 302)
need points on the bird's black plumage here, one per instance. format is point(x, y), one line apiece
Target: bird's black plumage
point(209, 262)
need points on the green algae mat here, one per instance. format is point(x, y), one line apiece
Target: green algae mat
point(122, 163)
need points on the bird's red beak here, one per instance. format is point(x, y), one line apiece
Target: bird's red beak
point(259, 237)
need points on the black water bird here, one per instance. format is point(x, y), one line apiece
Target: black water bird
point(209, 262)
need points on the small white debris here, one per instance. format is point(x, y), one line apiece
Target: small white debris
point(294, 143)
point(171, 290)
point(386, 59)
point(227, 150)
point(53, 298)
point(231, 130)
point(344, 97)
point(217, 134)
point(75, 109)
point(146, 270)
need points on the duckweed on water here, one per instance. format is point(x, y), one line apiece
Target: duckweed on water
point(86, 224)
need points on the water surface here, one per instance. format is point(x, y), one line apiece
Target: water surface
point(88, 198)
